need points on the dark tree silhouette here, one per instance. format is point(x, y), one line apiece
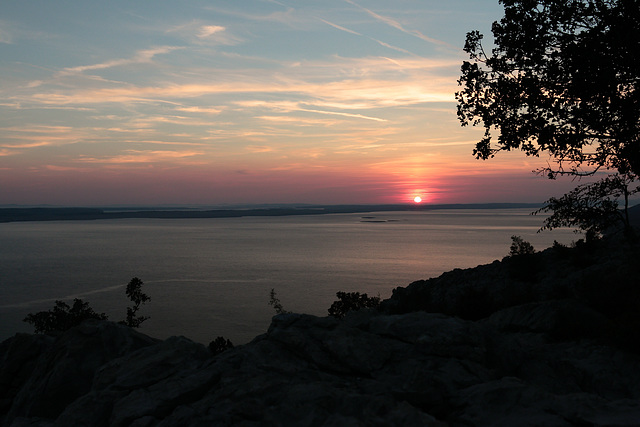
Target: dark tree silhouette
point(562, 78)
point(592, 208)
point(519, 246)
point(351, 301)
point(219, 345)
point(62, 316)
point(135, 294)
point(274, 301)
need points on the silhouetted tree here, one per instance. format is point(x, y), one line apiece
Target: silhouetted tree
point(348, 301)
point(62, 316)
point(592, 207)
point(219, 345)
point(519, 246)
point(563, 78)
point(275, 303)
point(135, 294)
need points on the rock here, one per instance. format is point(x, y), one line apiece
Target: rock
point(142, 384)
point(64, 371)
point(560, 319)
point(18, 356)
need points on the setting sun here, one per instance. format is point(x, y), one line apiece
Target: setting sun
point(417, 199)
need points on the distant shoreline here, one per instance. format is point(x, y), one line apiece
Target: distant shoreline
point(23, 214)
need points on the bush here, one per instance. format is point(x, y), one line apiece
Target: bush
point(219, 345)
point(63, 317)
point(275, 303)
point(348, 301)
point(519, 246)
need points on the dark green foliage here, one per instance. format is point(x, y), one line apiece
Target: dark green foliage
point(563, 78)
point(348, 301)
point(275, 303)
point(63, 317)
point(135, 294)
point(219, 345)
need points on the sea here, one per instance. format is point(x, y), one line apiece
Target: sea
point(212, 277)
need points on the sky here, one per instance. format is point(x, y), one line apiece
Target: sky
point(250, 101)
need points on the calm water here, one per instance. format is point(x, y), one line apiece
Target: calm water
point(211, 277)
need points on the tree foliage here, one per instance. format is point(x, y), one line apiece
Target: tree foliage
point(519, 246)
point(562, 78)
point(348, 301)
point(219, 345)
point(62, 316)
point(591, 207)
point(274, 301)
point(135, 294)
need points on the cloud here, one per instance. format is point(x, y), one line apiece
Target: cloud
point(5, 35)
point(140, 156)
point(298, 121)
point(141, 57)
point(380, 42)
point(336, 113)
point(209, 30)
point(207, 110)
point(259, 149)
point(341, 28)
point(199, 33)
point(395, 24)
point(344, 94)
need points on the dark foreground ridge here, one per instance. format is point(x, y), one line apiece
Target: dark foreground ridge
point(548, 339)
point(79, 214)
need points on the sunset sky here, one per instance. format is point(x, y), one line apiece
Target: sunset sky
point(252, 101)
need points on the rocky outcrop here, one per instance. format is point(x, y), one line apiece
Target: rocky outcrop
point(551, 359)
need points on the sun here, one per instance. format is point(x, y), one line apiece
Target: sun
point(417, 199)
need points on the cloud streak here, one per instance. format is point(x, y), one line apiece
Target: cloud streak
point(395, 24)
point(141, 57)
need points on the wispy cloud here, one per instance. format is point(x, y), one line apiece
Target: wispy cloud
point(336, 26)
point(139, 156)
point(5, 34)
point(206, 110)
point(337, 113)
point(141, 57)
point(397, 25)
point(380, 42)
point(209, 30)
point(199, 32)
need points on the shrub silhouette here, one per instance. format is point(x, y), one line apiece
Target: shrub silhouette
point(519, 246)
point(63, 317)
point(348, 301)
point(219, 345)
point(275, 303)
